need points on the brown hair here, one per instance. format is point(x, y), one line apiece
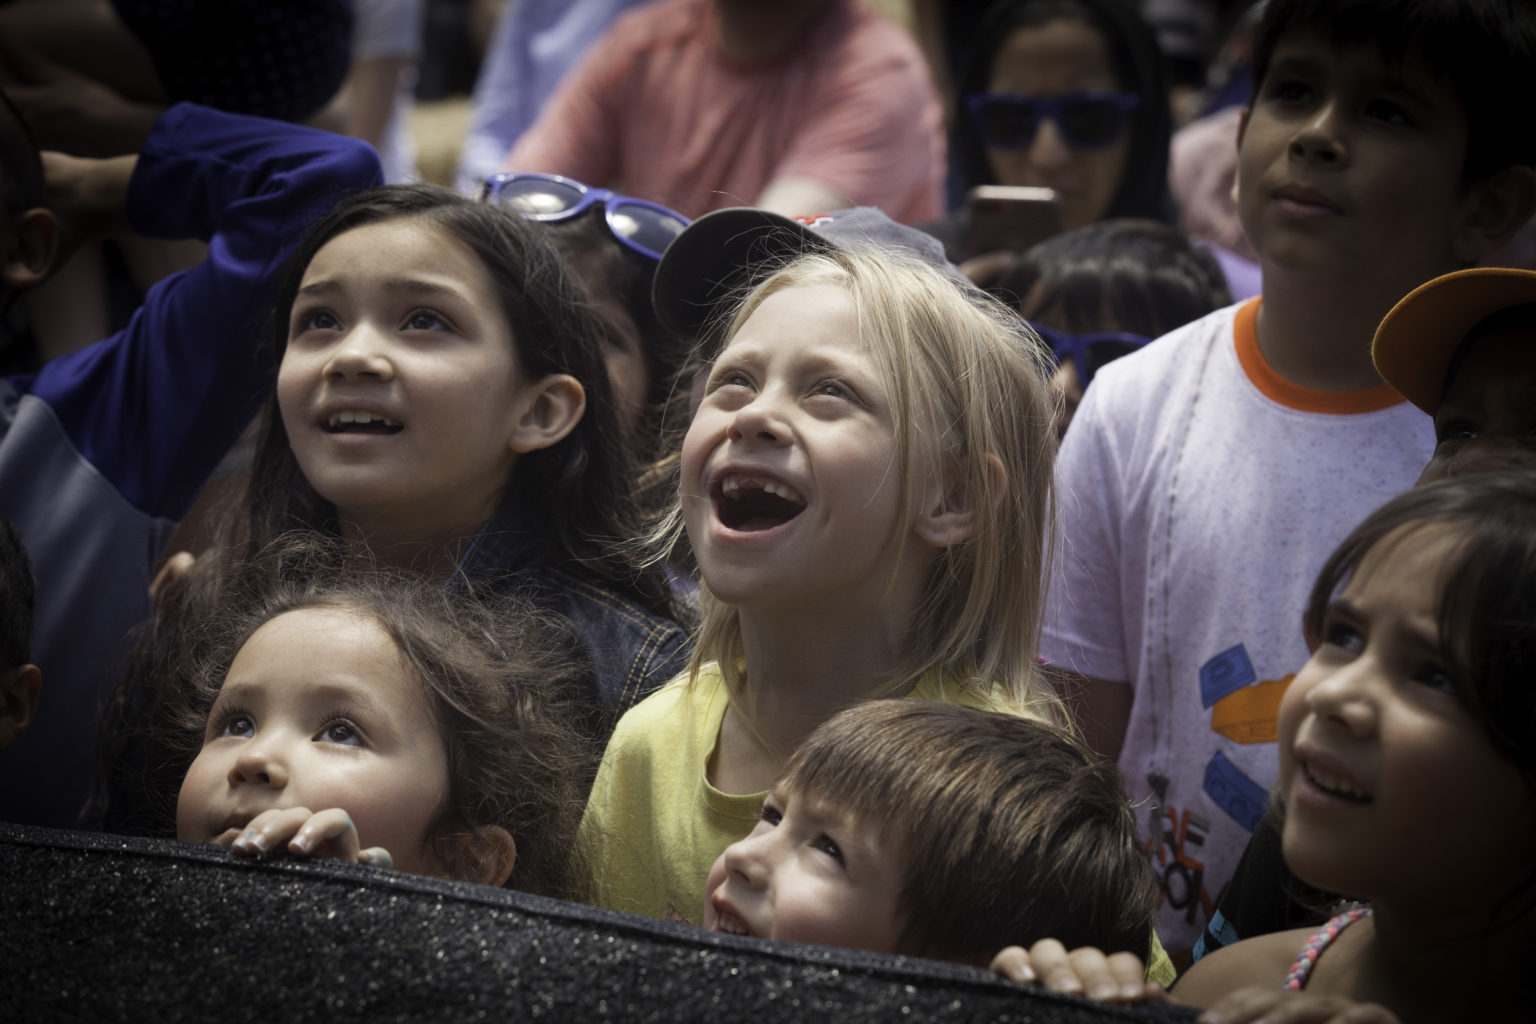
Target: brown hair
point(1011, 831)
point(577, 490)
point(489, 675)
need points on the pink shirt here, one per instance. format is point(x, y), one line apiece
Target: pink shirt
point(656, 111)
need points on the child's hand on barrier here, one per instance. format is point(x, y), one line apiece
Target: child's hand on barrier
point(304, 833)
point(1117, 978)
point(1277, 1006)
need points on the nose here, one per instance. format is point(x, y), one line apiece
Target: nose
point(1049, 150)
point(361, 354)
point(1320, 139)
point(259, 763)
point(761, 419)
point(1346, 696)
point(745, 859)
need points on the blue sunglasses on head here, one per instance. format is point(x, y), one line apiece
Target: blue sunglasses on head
point(1089, 352)
point(1086, 120)
point(643, 226)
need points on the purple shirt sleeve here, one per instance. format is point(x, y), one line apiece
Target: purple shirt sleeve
point(155, 407)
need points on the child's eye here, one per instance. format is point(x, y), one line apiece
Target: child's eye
point(315, 320)
point(833, 389)
point(729, 378)
point(340, 731)
point(235, 723)
point(827, 845)
point(1343, 635)
point(771, 814)
point(1436, 678)
point(1386, 110)
point(1291, 91)
point(425, 320)
point(1455, 430)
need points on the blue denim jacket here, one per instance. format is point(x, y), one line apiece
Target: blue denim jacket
point(631, 650)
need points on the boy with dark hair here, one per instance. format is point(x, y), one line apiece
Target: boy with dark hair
point(20, 680)
point(102, 450)
point(1209, 475)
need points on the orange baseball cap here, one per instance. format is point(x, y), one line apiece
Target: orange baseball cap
point(1418, 340)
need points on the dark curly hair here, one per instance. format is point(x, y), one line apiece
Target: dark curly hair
point(492, 679)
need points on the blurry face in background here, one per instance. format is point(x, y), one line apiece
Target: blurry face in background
point(1487, 419)
point(629, 374)
point(1065, 381)
point(1052, 60)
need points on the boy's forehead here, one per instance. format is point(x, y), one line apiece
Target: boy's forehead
point(1311, 49)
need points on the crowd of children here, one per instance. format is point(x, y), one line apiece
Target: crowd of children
point(745, 572)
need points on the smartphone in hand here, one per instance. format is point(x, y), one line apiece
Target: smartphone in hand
point(1008, 217)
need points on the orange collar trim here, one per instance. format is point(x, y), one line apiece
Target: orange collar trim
point(1293, 396)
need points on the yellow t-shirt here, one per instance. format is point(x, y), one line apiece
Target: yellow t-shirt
point(656, 825)
point(655, 822)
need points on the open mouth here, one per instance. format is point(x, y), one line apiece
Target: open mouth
point(750, 504)
point(350, 422)
point(1334, 786)
point(730, 924)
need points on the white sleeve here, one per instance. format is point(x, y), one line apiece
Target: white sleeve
point(1084, 630)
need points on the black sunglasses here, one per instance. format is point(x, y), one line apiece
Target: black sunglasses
point(1087, 120)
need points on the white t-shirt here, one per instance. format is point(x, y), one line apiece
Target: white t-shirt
point(1200, 495)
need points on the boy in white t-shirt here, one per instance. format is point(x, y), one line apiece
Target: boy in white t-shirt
point(1206, 477)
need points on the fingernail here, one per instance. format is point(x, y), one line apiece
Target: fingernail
point(301, 843)
point(259, 840)
point(1027, 975)
point(1102, 990)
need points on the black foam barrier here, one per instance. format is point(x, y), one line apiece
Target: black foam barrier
point(100, 927)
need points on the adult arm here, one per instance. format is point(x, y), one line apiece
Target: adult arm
point(875, 136)
point(1101, 708)
point(576, 133)
point(796, 195)
point(155, 406)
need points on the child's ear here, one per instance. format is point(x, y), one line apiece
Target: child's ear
point(550, 408)
point(948, 513)
point(1496, 208)
point(19, 690)
point(30, 248)
point(492, 851)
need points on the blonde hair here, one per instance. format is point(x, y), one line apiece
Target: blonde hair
point(967, 385)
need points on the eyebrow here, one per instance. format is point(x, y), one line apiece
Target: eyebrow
point(328, 693)
point(1296, 64)
point(412, 285)
point(1424, 634)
